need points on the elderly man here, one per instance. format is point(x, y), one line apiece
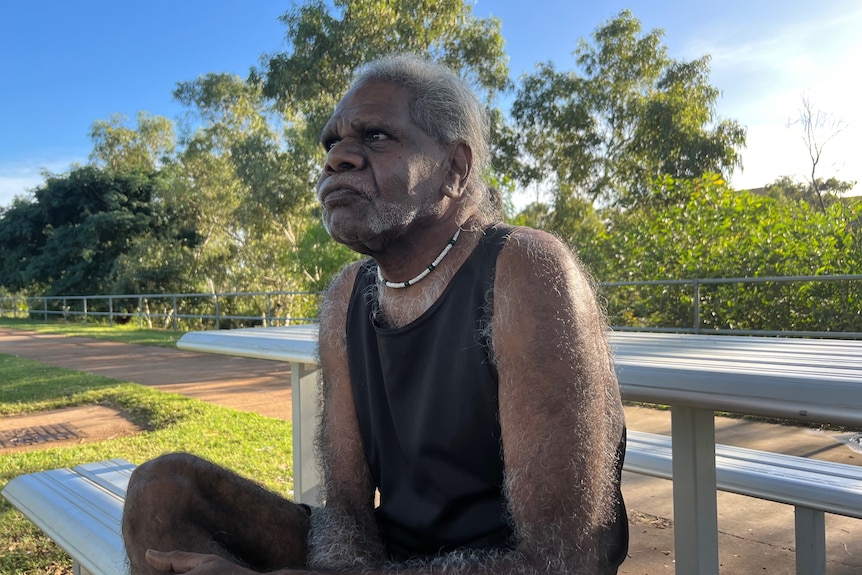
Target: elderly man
point(466, 377)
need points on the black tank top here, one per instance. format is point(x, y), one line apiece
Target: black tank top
point(427, 403)
point(426, 399)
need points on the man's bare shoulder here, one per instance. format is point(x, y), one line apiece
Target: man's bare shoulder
point(333, 311)
point(342, 285)
point(532, 255)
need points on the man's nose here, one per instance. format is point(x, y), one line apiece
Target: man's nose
point(344, 157)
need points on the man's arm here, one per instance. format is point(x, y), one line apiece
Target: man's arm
point(343, 532)
point(560, 409)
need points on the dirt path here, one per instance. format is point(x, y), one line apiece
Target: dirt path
point(255, 385)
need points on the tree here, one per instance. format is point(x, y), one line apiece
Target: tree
point(630, 115)
point(146, 147)
point(250, 187)
point(21, 235)
point(69, 238)
point(327, 42)
point(818, 128)
point(819, 194)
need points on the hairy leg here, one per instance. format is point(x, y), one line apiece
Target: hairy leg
point(179, 501)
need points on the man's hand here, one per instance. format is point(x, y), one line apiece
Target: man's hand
point(193, 563)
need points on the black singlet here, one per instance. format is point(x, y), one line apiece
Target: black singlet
point(427, 404)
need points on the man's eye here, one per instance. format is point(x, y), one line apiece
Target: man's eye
point(330, 143)
point(376, 136)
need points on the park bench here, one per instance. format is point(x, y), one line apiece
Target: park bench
point(813, 380)
point(81, 508)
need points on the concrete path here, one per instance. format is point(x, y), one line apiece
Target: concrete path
point(259, 386)
point(756, 536)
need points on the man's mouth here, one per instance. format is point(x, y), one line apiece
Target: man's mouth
point(338, 190)
point(337, 196)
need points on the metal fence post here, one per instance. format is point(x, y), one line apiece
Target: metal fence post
point(140, 312)
point(65, 311)
point(175, 313)
point(696, 306)
point(217, 321)
point(45, 308)
point(268, 321)
point(111, 311)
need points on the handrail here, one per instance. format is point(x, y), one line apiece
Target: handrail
point(203, 310)
point(697, 300)
point(197, 308)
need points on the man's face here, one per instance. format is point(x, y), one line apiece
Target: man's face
point(382, 172)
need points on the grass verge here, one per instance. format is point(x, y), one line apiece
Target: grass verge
point(250, 444)
point(123, 333)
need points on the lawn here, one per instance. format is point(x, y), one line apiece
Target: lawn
point(255, 446)
point(128, 333)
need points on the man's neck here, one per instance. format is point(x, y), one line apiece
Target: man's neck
point(401, 306)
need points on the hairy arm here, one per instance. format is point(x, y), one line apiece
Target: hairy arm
point(560, 408)
point(343, 532)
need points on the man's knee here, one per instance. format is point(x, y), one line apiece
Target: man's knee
point(167, 466)
point(171, 468)
point(160, 490)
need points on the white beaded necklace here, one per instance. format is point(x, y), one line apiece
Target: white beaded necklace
point(426, 271)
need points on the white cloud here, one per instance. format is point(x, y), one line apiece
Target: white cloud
point(765, 71)
point(19, 178)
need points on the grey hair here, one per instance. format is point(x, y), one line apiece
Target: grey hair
point(447, 109)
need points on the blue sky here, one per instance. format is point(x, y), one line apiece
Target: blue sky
point(64, 65)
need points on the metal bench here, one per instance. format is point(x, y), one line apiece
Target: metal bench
point(813, 487)
point(81, 508)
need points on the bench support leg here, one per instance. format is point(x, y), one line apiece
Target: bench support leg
point(695, 510)
point(303, 393)
point(810, 542)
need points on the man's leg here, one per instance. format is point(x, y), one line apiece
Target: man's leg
point(181, 502)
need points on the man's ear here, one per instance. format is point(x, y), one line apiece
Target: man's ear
point(460, 164)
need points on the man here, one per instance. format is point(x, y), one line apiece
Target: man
point(466, 377)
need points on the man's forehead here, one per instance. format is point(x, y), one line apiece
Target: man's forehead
point(370, 95)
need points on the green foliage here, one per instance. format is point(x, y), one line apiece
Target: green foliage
point(711, 231)
point(629, 115)
point(823, 193)
point(238, 182)
point(329, 41)
point(71, 237)
point(143, 148)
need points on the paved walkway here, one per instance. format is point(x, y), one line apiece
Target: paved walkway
point(755, 536)
point(255, 385)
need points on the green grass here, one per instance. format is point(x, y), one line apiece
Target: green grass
point(250, 444)
point(128, 333)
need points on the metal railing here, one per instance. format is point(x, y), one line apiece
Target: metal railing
point(692, 308)
point(697, 300)
point(168, 311)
